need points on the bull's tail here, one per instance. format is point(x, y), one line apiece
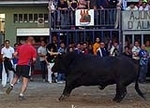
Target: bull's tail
point(138, 90)
point(137, 86)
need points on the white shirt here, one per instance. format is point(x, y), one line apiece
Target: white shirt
point(42, 50)
point(7, 52)
point(129, 8)
point(146, 8)
point(134, 51)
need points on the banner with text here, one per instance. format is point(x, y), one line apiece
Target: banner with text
point(136, 20)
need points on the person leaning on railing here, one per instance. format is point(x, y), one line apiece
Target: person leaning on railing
point(63, 14)
point(144, 6)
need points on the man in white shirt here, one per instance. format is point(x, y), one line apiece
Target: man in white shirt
point(7, 54)
point(135, 51)
point(132, 6)
point(42, 53)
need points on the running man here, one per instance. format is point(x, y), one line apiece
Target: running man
point(26, 54)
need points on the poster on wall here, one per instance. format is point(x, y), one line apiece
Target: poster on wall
point(84, 17)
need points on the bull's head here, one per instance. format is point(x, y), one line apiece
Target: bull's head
point(59, 64)
point(63, 62)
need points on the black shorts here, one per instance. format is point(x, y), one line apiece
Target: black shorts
point(23, 70)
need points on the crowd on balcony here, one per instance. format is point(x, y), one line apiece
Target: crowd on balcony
point(105, 11)
point(99, 4)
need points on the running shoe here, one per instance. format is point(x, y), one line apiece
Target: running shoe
point(9, 89)
point(21, 98)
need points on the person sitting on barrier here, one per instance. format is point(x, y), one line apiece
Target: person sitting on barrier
point(132, 6)
point(144, 6)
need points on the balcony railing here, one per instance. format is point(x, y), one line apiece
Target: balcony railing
point(83, 18)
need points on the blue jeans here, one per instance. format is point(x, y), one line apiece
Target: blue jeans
point(64, 20)
point(43, 69)
point(111, 17)
point(143, 72)
point(60, 77)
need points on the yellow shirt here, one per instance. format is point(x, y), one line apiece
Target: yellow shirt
point(95, 47)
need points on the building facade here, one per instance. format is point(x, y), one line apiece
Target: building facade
point(20, 18)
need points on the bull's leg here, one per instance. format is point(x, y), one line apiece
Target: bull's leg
point(68, 88)
point(120, 93)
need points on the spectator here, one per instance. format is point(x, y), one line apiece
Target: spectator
point(101, 51)
point(135, 50)
point(102, 5)
point(85, 49)
point(127, 52)
point(42, 53)
point(96, 46)
point(93, 5)
point(73, 7)
point(78, 48)
point(111, 14)
point(50, 59)
point(140, 3)
point(144, 6)
point(70, 49)
point(7, 54)
point(143, 54)
point(114, 51)
point(61, 75)
point(124, 4)
point(90, 48)
point(132, 6)
point(63, 13)
point(83, 4)
point(109, 45)
point(15, 60)
point(147, 46)
point(25, 53)
point(52, 9)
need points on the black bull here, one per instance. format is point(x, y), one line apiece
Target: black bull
point(88, 70)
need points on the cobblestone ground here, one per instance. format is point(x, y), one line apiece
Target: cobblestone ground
point(45, 95)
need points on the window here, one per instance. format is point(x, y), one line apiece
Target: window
point(25, 18)
point(15, 18)
point(40, 15)
point(35, 17)
point(20, 18)
point(30, 17)
point(46, 18)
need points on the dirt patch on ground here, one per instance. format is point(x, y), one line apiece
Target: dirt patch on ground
point(44, 95)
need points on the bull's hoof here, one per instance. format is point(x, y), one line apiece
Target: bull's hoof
point(101, 87)
point(61, 98)
point(118, 99)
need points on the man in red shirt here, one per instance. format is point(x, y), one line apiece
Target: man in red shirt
point(26, 55)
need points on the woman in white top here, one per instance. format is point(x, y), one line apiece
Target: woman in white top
point(144, 6)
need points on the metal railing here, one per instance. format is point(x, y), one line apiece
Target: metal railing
point(67, 24)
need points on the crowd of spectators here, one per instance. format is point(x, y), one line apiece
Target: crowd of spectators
point(48, 52)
